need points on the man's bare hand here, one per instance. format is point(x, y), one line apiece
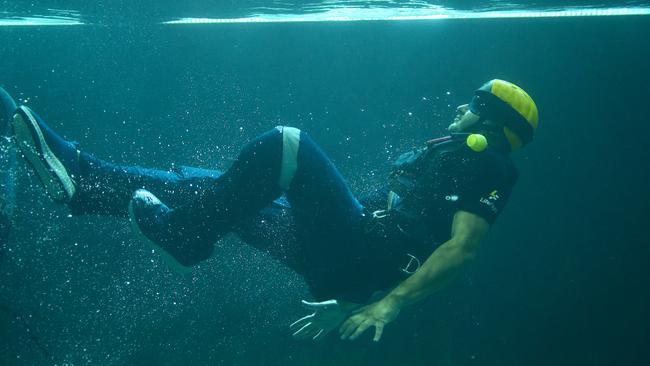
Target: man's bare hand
point(376, 315)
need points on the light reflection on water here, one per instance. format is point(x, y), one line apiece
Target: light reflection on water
point(328, 11)
point(51, 17)
point(396, 14)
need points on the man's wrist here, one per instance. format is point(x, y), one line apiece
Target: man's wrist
point(393, 301)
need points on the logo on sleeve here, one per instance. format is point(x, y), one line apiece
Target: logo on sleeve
point(490, 200)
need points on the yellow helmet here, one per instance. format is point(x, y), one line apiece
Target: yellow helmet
point(505, 102)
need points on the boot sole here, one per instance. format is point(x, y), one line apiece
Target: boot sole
point(49, 169)
point(169, 259)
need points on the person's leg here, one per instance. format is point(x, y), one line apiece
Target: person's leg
point(327, 215)
point(187, 233)
point(329, 224)
point(105, 188)
point(100, 187)
point(88, 185)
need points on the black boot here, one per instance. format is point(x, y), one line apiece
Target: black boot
point(182, 240)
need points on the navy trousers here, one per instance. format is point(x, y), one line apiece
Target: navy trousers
point(279, 193)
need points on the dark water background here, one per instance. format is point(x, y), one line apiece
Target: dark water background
point(561, 280)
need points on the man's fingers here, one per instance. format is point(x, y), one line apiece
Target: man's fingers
point(300, 322)
point(347, 327)
point(379, 330)
point(360, 329)
point(353, 327)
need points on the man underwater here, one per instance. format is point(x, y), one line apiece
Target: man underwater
point(395, 245)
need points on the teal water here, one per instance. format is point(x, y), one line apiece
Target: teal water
point(560, 280)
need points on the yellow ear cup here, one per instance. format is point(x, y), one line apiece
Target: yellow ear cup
point(477, 142)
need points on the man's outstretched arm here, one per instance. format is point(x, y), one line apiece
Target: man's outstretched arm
point(442, 266)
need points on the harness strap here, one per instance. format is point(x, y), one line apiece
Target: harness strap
point(290, 145)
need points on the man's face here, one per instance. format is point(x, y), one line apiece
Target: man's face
point(464, 119)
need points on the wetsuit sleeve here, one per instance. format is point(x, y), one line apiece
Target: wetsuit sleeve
point(485, 185)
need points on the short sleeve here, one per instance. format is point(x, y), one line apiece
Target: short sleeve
point(485, 184)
